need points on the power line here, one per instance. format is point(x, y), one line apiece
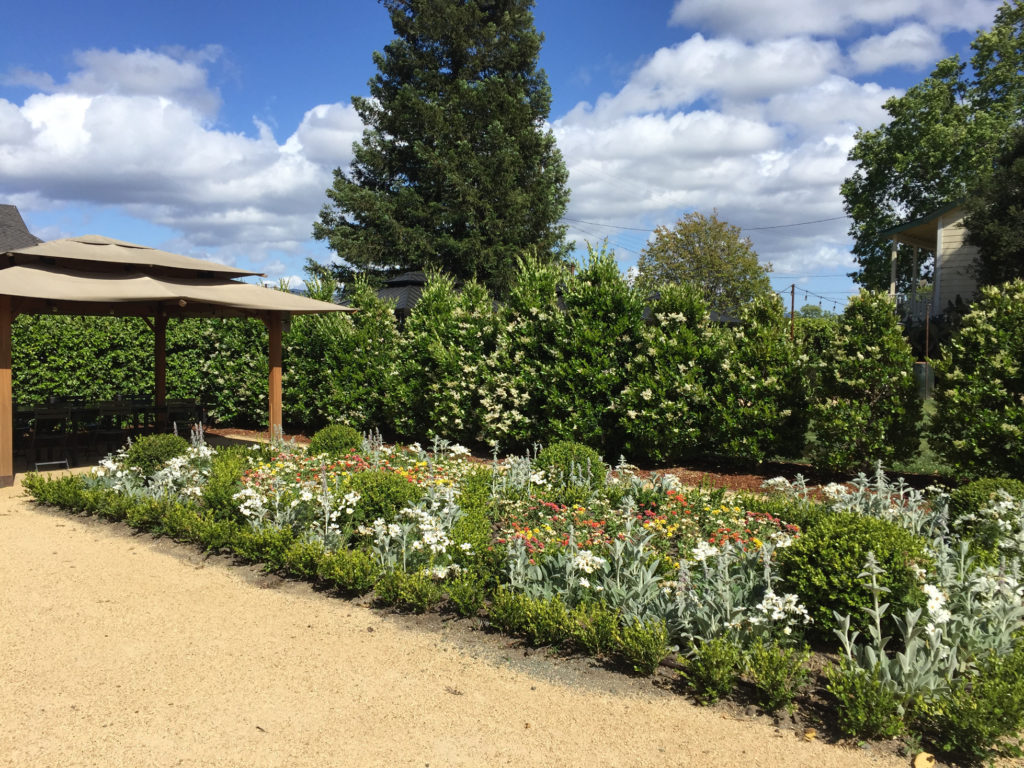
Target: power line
point(745, 229)
point(797, 224)
point(612, 226)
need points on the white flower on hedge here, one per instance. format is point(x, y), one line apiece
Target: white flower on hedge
point(538, 478)
point(584, 582)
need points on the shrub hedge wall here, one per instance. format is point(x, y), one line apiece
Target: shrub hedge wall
point(578, 355)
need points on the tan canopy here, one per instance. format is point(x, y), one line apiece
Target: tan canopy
point(96, 275)
point(95, 251)
point(135, 292)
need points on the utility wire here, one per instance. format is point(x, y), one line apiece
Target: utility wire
point(745, 229)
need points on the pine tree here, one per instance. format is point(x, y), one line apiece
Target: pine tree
point(455, 170)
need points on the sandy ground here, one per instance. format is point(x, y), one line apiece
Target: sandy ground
point(123, 650)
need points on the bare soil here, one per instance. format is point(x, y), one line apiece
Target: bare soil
point(121, 649)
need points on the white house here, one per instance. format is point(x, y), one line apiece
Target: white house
point(940, 235)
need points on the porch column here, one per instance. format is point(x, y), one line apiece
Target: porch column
point(275, 423)
point(6, 396)
point(892, 268)
point(160, 369)
point(914, 276)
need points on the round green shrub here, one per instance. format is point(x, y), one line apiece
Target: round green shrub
point(335, 440)
point(973, 497)
point(225, 480)
point(823, 568)
point(560, 461)
point(382, 494)
point(978, 426)
point(151, 452)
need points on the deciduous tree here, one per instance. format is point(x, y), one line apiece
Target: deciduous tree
point(995, 217)
point(711, 254)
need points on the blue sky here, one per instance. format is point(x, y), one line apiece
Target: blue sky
point(212, 128)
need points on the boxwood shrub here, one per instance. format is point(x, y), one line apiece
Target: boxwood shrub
point(823, 566)
point(151, 452)
point(335, 440)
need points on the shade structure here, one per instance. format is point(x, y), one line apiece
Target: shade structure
point(96, 275)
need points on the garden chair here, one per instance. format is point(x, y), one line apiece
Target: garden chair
point(50, 436)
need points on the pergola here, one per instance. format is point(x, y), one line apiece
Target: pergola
point(95, 275)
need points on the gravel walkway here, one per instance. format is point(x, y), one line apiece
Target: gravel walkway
point(123, 650)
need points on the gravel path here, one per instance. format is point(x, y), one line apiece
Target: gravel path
point(123, 650)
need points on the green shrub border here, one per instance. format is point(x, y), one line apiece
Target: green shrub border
point(591, 628)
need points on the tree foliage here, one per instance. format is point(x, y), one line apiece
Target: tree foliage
point(710, 253)
point(941, 134)
point(455, 170)
point(995, 217)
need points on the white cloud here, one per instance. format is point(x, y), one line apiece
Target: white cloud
point(914, 45)
point(766, 146)
point(131, 130)
point(181, 78)
point(834, 105)
point(700, 68)
point(763, 19)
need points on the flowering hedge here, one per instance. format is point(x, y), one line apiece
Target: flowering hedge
point(579, 356)
point(865, 407)
point(979, 421)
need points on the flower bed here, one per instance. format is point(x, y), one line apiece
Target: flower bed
point(636, 569)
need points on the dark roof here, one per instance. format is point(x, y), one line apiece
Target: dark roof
point(405, 290)
point(13, 232)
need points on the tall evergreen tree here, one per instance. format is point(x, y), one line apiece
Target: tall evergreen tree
point(456, 170)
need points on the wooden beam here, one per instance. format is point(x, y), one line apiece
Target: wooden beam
point(6, 397)
point(160, 370)
point(275, 424)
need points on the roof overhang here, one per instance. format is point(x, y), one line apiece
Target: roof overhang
point(921, 232)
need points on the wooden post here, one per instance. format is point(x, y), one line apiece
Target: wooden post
point(792, 311)
point(6, 396)
point(160, 370)
point(892, 268)
point(275, 424)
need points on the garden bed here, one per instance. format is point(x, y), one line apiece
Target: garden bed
point(631, 568)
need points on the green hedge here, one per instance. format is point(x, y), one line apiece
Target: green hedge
point(578, 356)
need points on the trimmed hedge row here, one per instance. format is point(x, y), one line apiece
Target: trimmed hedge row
point(578, 356)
